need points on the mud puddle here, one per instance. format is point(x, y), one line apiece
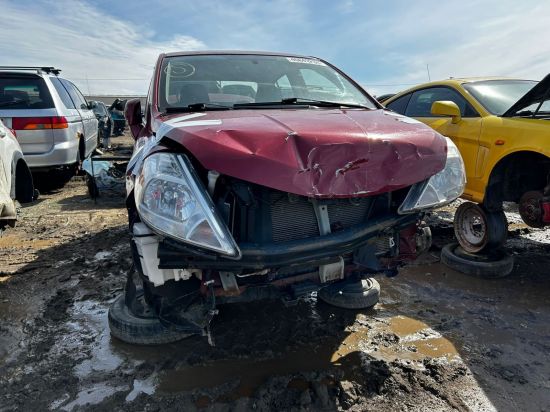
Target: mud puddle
point(387, 338)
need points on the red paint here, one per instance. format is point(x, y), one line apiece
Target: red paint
point(314, 152)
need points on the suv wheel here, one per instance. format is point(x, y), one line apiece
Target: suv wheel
point(476, 229)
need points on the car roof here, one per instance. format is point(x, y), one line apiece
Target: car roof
point(452, 81)
point(460, 80)
point(234, 52)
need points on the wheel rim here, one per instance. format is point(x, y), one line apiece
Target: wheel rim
point(471, 228)
point(530, 209)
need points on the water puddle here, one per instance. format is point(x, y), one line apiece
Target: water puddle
point(412, 340)
point(89, 396)
point(248, 374)
point(89, 321)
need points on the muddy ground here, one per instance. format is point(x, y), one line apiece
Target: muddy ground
point(438, 340)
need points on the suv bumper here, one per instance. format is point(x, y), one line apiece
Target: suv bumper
point(61, 154)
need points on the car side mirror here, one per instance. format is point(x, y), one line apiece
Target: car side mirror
point(132, 113)
point(446, 108)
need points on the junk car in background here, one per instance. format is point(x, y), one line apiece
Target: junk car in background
point(502, 129)
point(55, 125)
point(105, 123)
point(116, 110)
point(262, 175)
point(16, 182)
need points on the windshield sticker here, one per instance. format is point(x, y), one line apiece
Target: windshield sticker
point(305, 61)
point(181, 70)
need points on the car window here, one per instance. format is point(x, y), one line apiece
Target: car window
point(100, 109)
point(230, 79)
point(75, 94)
point(24, 92)
point(420, 104)
point(318, 84)
point(400, 105)
point(65, 98)
point(283, 84)
point(497, 96)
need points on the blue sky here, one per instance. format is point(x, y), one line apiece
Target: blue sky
point(385, 45)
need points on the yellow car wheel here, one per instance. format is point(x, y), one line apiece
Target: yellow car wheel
point(477, 229)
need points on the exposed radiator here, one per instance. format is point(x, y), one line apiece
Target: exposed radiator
point(293, 217)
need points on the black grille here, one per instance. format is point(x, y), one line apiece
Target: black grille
point(346, 213)
point(293, 217)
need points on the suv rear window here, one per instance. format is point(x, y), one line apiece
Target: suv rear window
point(24, 93)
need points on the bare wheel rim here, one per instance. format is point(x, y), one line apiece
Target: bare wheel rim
point(471, 227)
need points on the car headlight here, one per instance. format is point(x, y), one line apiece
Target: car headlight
point(171, 200)
point(440, 189)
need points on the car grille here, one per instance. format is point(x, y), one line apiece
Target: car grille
point(293, 217)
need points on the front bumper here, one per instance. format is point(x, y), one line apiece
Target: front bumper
point(312, 251)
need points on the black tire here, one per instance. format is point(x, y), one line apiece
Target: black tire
point(136, 330)
point(477, 229)
point(351, 294)
point(491, 265)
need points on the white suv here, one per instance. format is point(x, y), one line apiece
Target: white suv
point(54, 124)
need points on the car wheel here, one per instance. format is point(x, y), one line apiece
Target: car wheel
point(491, 265)
point(139, 330)
point(477, 229)
point(351, 294)
point(530, 208)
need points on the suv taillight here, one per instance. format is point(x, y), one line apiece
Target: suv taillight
point(39, 123)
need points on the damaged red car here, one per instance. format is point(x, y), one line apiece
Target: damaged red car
point(263, 175)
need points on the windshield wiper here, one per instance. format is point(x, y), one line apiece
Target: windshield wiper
point(197, 107)
point(322, 103)
point(300, 101)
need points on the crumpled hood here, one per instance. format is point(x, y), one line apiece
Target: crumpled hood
point(312, 152)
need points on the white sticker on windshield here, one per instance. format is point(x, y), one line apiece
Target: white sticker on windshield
point(305, 61)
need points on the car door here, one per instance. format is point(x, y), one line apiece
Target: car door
point(89, 121)
point(465, 133)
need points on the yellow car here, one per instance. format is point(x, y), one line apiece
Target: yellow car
point(502, 129)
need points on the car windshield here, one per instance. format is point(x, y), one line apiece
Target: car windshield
point(222, 81)
point(497, 96)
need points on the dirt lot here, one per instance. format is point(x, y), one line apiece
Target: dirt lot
point(438, 340)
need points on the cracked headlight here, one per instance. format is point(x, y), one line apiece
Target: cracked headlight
point(440, 189)
point(171, 200)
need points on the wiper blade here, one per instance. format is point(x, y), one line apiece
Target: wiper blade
point(261, 104)
point(197, 107)
point(299, 101)
point(322, 103)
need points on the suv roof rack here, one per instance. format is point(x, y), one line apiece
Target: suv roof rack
point(38, 69)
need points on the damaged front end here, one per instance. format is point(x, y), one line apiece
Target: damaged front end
point(201, 238)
